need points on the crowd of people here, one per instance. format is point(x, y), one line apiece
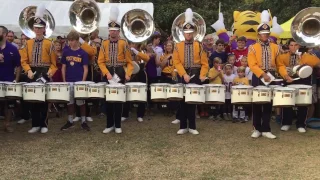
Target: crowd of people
point(88, 57)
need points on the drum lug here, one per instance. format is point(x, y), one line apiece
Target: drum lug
point(117, 91)
point(138, 90)
point(15, 89)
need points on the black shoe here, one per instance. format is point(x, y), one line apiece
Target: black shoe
point(234, 120)
point(85, 126)
point(242, 121)
point(67, 126)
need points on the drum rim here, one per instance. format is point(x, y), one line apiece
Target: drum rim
point(34, 84)
point(83, 82)
point(135, 83)
point(296, 86)
point(284, 88)
point(242, 87)
point(57, 83)
point(214, 85)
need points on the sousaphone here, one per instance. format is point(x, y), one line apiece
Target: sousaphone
point(177, 27)
point(26, 21)
point(305, 27)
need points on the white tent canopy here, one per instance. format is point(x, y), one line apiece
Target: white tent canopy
point(11, 9)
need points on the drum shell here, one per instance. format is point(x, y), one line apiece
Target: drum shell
point(13, 91)
point(284, 97)
point(215, 94)
point(241, 95)
point(159, 92)
point(137, 93)
point(2, 91)
point(96, 91)
point(195, 95)
point(58, 93)
point(175, 92)
point(81, 89)
point(115, 93)
point(261, 96)
point(303, 95)
point(34, 93)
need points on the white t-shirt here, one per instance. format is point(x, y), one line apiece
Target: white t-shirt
point(228, 82)
point(248, 73)
point(159, 51)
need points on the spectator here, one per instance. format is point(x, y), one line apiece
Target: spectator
point(219, 52)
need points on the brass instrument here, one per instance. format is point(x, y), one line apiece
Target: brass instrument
point(305, 27)
point(177, 27)
point(26, 21)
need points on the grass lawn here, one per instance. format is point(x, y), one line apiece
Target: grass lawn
point(152, 150)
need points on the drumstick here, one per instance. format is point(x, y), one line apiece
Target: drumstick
point(192, 76)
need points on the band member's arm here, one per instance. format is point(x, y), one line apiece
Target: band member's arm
point(253, 63)
point(102, 61)
point(53, 62)
point(204, 65)
point(25, 63)
point(143, 56)
point(92, 51)
point(128, 59)
point(63, 68)
point(310, 60)
point(85, 62)
point(281, 67)
point(177, 63)
point(163, 61)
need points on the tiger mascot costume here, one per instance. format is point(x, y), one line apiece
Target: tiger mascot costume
point(245, 24)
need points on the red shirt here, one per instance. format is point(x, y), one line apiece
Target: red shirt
point(239, 54)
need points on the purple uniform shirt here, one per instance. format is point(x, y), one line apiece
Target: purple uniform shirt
point(11, 60)
point(74, 61)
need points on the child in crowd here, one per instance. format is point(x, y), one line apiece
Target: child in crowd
point(228, 82)
point(216, 77)
point(248, 72)
point(239, 114)
point(219, 52)
point(241, 50)
point(232, 60)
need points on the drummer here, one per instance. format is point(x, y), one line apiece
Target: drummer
point(9, 60)
point(261, 59)
point(189, 59)
point(285, 63)
point(38, 59)
point(74, 68)
point(113, 56)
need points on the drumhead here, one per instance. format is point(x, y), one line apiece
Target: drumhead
point(34, 84)
point(299, 86)
point(57, 83)
point(160, 84)
point(274, 86)
point(284, 89)
point(176, 85)
point(11, 83)
point(262, 88)
point(135, 84)
point(194, 86)
point(305, 72)
point(96, 85)
point(116, 85)
point(104, 83)
point(241, 87)
point(84, 82)
point(215, 85)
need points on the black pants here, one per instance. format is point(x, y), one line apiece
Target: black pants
point(114, 111)
point(261, 113)
point(78, 114)
point(140, 110)
point(228, 107)
point(25, 107)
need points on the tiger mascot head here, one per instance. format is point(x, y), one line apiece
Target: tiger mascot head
point(246, 23)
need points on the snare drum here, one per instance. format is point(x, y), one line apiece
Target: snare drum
point(81, 89)
point(2, 91)
point(241, 94)
point(261, 95)
point(34, 92)
point(96, 91)
point(284, 97)
point(195, 94)
point(175, 92)
point(13, 90)
point(115, 93)
point(136, 91)
point(303, 94)
point(215, 93)
point(58, 92)
point(159, 92)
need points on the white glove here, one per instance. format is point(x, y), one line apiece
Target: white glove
point(14, 81)
point(81, 40)
point(276, 28)
point(219, 24)
point(134, 51)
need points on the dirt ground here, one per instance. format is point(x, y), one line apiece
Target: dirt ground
point(152, 150)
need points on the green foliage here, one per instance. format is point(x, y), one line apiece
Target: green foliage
point(165, 11)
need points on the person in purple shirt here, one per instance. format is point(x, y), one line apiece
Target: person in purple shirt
point(219, 52)
point(9, 60)
point(74, 68)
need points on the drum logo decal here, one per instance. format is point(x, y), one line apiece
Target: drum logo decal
point(214, 90)
point(30, 90)
point(287, 95)
point(94, 90)
point(54, 89)
point(194, 92)
point(174, 90)
point(303, 93)
point(263, 94)
point(10, 89)
point(243, 92)
point(159, 89)
point(81, 88)
point(113, 91)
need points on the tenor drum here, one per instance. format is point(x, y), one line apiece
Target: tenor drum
point(261, 95)
point(2, 91)
point(272, 88)
point(175, 92)
point(241, 94)
point(195, 94)
point(81, 89)
point(96, 91)
point(303, 71)
point(303, 94)
point(136, 91)
point(34, 92)
point(58, 92)
point(115, 93)
point(13, 90)
point(159, 92)
point(284, 97)
point(215, 93)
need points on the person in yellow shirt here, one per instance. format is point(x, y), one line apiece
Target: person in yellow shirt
point(189, 59)
point(215, 73)
point(285, 63)
point(113, 56)
point(166, 63)
point(39, 57)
